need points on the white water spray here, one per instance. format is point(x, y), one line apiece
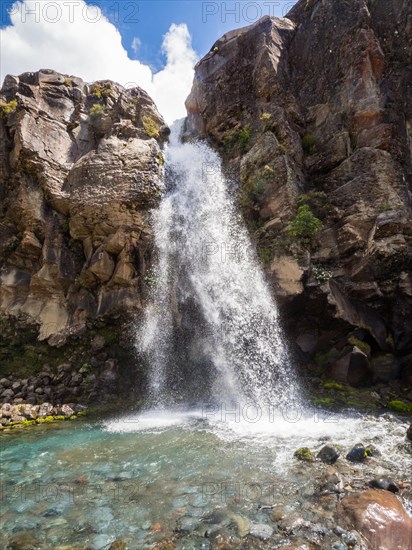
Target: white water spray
point(210, 295)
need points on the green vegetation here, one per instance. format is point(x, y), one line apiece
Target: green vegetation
point(321, 275)
point(150, 127)
point(390, 342)
point(7, 108)
point(385, 206)
point(97, 111)
point(324, 401)
point(399, 406)
point(239, 139)
point(309, 144)
point(305, 454)
point(317, 201)
point(265, 116)
point(101, 90)
point(66, 225)
point(305, 226)
point(333, 386)
point(363, 346)
point(323, 358)
point(160, 158)
point(28, 422)
point(265, 255)
point(254, 187)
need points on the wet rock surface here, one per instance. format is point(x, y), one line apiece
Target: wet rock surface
point(379, 517)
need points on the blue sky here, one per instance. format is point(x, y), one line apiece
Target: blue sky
point(152, 44)
point(149, 20)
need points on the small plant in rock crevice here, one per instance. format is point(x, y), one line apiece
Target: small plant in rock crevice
point(317, 201)
point(150, 127)
point(309, 144)
point(363, 346)
point(101, 90)
point(8, 108)
point(238, 139)
point(321, 275)
point(97, 111)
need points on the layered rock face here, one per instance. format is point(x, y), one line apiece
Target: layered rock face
point(313, 116)
point(81, 166)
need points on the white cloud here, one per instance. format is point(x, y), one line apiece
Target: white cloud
point(65, 38)
point(136, 43)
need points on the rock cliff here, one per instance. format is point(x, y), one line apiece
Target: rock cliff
point(80, 167)
point(313, 116)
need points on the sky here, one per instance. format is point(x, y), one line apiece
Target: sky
point(153, 44)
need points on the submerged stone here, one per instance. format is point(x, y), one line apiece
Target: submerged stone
point(261, 531)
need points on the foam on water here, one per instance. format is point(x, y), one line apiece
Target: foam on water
point(283, 433)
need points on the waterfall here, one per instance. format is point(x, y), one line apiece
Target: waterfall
point(211, 329)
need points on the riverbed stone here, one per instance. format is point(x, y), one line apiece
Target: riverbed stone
point(304, 454)
point(329, 454)
point(384, 483)
point(261, 531)
point(359, 453)
point(379, 517)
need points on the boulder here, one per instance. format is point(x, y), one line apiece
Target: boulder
point(380, 518)
point(384, 483)
point(359, 453)
point(304, 454)
point(385, 368)
point(353, 369)
point(329, 454)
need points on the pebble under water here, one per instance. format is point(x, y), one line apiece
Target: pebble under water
point(191, 477)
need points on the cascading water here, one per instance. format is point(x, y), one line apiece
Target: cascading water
point(212, 325)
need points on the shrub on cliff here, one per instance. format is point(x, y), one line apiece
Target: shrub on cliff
point(309, 144)
point(305, 226)
point(97, 111)
point(7, 108)
point(239, 138)
point(102, 90)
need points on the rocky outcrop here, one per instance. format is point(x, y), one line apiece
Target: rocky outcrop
point(81, 164)
point(313, 116)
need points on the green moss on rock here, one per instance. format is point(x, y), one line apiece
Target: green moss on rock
point(363, 346)
point(304, 454)
point(400, 406)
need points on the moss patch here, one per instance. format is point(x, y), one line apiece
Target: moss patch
point(305, 454)
point(400, 406)
point(363, 346)
point(150, 127)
